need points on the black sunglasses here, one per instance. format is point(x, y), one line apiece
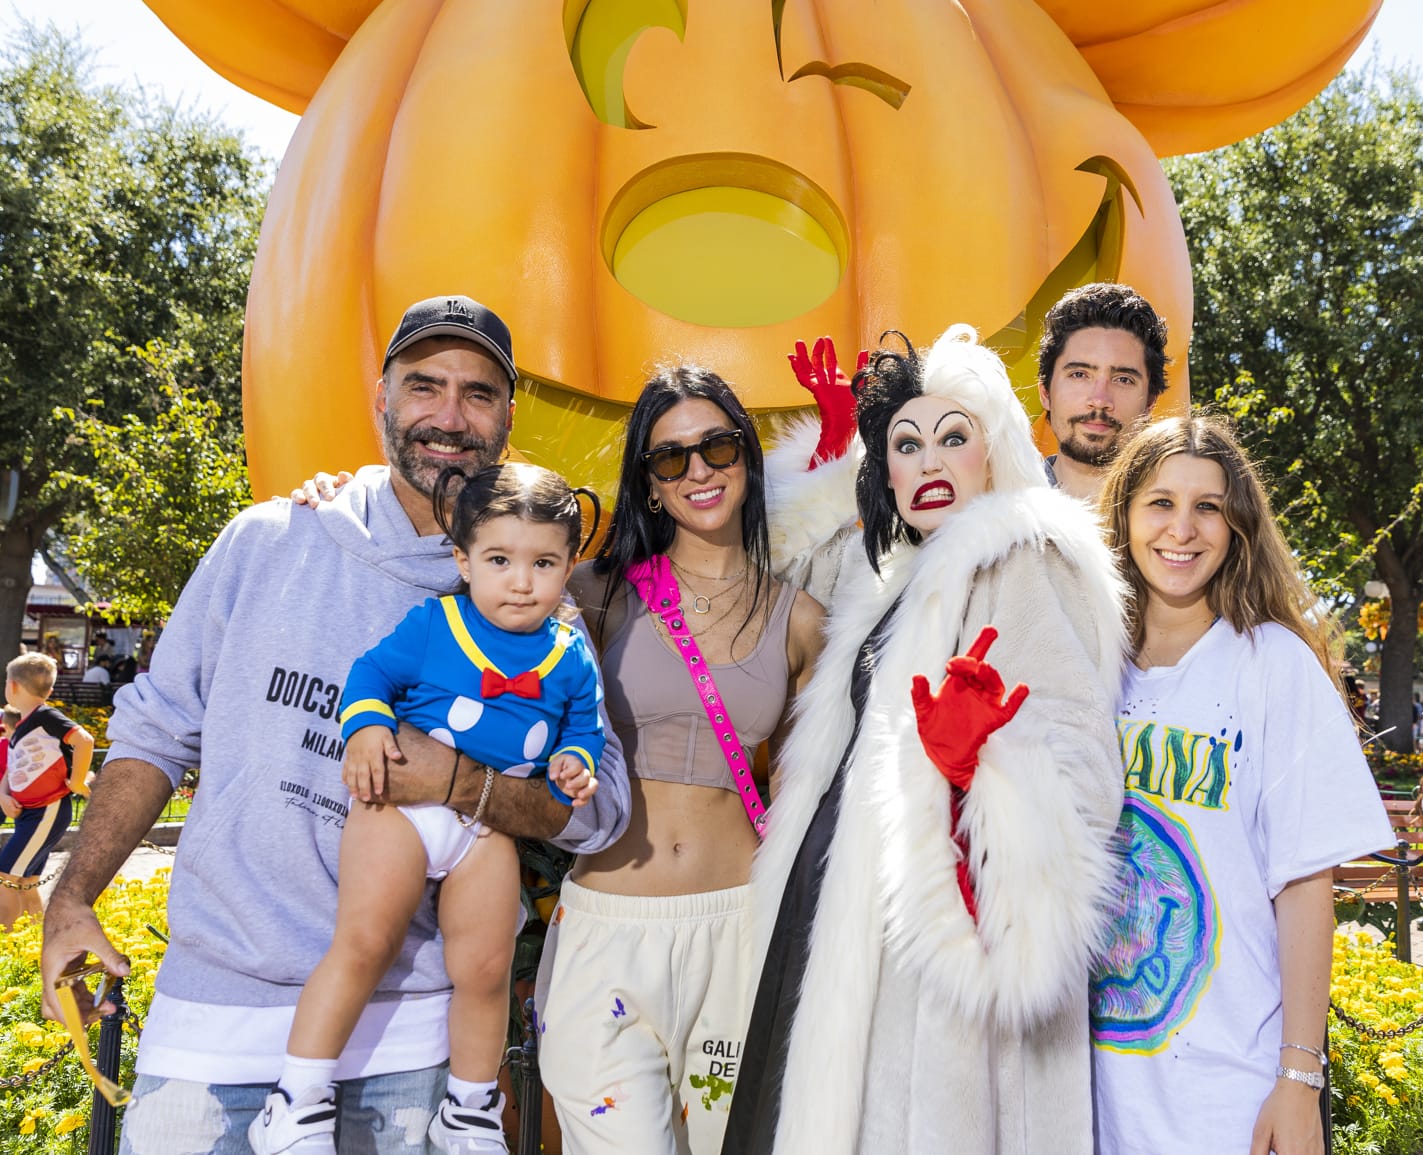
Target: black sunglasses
point(671, 462)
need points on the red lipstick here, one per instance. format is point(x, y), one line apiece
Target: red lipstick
point(933, 495)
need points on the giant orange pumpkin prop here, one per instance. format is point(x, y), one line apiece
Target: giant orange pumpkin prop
point(625, 180)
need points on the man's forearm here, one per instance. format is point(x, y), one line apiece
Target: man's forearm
point(519, 807)
point(128, 798)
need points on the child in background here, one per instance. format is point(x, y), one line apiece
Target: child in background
point(492, 672)
point(9, 719)
point(1245, 784)
point(48, 760)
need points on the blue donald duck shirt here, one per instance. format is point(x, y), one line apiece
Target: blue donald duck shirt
point(509, 700)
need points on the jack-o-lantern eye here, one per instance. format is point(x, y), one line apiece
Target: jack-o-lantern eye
point(600, 34)
point(889, 88)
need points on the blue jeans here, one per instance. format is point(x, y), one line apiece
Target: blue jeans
point(380, 1115)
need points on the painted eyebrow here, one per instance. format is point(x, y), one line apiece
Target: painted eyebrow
point(906, 421)
point(953, 413)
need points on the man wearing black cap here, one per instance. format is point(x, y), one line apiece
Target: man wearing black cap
point(247, 680)
point(446, 396)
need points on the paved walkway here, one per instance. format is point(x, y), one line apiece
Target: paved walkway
point(141, 864)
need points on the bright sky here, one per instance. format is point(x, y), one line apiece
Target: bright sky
point(132, 45)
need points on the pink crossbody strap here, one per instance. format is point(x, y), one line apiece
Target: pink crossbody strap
point(655, 585)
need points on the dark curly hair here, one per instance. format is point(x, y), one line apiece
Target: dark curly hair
point(1105, 306)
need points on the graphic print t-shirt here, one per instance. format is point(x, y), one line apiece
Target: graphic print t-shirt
point(1243, 773)
point(39, 760)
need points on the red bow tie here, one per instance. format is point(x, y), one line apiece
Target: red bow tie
point(525, 685)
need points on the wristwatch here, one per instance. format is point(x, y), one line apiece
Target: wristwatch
point(1308, 1078)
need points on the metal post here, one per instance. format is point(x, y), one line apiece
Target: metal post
point(1403, 925)
point(1325, 1106)
point(103, 1118)
point(531, 1114)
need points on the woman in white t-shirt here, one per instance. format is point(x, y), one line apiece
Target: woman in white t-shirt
point(1245, 784)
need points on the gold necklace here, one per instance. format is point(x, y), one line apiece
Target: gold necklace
point(702, 603)
point(706, 627)
point(707, 577)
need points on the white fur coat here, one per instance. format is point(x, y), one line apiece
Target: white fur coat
point(915, 1028)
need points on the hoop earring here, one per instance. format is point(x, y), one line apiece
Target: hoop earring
point(654, 503)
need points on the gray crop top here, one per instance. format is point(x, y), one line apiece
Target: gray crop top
point(655, 712)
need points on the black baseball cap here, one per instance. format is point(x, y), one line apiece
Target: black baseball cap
point(454, 317)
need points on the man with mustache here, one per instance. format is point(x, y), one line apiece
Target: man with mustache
point(1101, 367)
point(247, 681)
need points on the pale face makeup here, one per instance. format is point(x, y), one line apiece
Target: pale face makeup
point(938, 461)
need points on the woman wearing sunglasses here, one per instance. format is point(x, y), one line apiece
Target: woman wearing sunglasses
point(643, 985)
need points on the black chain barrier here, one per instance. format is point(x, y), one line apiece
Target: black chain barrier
point(1373, 1032)
point(103, 1117)
point(14, 1082)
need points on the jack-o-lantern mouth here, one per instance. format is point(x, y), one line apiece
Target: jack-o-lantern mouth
point(725, 240)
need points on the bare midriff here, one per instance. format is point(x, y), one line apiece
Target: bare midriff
point(681, 840)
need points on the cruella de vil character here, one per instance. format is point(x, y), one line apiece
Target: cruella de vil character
point(932, 884)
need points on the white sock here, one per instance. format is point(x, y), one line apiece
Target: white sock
point(299, 1074)
point(468, 1094)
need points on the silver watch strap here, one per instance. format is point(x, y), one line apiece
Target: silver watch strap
point(1308, 1078)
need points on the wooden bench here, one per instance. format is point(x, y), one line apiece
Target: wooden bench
point(77, 692)
point(1371, 889)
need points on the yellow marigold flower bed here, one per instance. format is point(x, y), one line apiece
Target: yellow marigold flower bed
point(51, 1113)
point(1376, 1084)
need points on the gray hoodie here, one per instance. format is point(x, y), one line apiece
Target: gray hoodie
point(246, 682)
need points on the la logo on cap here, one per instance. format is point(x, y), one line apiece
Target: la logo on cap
point(454, 310)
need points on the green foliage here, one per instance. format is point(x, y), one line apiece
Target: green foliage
point(52, 1112)
point(121, 223)
point(1307, 248)
point(1376, 1085)
point(159, 492)
point(1394, 771)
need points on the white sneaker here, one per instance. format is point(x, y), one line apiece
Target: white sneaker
point(470, 1130)
point(305, 1125)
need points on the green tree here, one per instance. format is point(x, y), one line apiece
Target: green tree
point(120, 223)
point(159, 492)
point(1307, 247)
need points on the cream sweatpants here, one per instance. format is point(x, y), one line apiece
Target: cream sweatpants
point(642, 1008)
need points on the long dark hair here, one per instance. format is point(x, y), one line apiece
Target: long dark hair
point(882, 388)
point(635, 533)
point(513, 489)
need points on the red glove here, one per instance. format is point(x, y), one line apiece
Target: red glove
point(820, 374)
point(968, 708)
point(953, 725)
